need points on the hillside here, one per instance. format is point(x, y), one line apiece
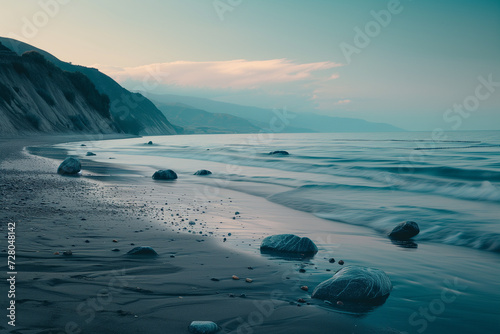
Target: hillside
point(200, 121)
point(36, 96)
point(298, 122)
point(132, 112)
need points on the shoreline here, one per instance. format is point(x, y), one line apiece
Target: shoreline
point(138, 202)
point(99, 290)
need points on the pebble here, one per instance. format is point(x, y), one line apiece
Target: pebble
point(302, 270)
point(203, 327)
point(114, 240)
point(56, 253)
point(115, 250)
point(305, 288)
point(214, 279)
point(341, 262)
point(249, 280)
point(332, 260)
point(235, 277)
point(301, 300)
point(68, 252)
point(339, 303)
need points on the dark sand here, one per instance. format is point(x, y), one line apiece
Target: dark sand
point(97, 290)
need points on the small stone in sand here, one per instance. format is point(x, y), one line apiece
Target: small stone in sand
point(167, 174)
point(249, 280)
point(224, 239)
point(114, 240)
point(143, 250)
point(235, 277)
point(339, 303)
point(214, 279)
point(305, 288)
point(203, 327)
point(236, 213)
point(70, 166)
point(203, 172)
point(87, 241)
point(332, 260)
point(68, 253)
point(150, 142)
point(115, 250)
point(301, 300)
point(302, 270)
point(250, 268)
point(341, 262)
point(56, 253)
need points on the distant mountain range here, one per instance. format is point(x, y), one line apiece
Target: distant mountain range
point(264, 118)
point(132, 112)
point(197, 121)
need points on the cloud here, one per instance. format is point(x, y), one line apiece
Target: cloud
point(238, 74)
point(346, 101)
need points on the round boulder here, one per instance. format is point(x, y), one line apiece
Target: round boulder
point(279, 153)
point(288, 243)
point(203, 172)
point(355, 285)
point(70, 166)
point(166, 174)
point(405, 231)
point(203, 327)
point(142, 250)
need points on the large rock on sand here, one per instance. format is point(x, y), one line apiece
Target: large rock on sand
point(166, 174)
point(203, 172)
point(203, 327)
point(288, 243)
point(142, 250)
point(70, 166)
point(355, 285)
point(405, 231)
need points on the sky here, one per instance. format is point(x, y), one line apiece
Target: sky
point(416, 64)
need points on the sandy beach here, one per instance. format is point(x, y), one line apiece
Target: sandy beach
point(202, 242)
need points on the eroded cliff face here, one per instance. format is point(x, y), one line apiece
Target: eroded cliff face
point(131, 112)
point(37, 96)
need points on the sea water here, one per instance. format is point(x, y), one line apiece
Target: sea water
point(450, 187)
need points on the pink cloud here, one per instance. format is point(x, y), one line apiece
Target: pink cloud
point(234, 74)
point(346, 101)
